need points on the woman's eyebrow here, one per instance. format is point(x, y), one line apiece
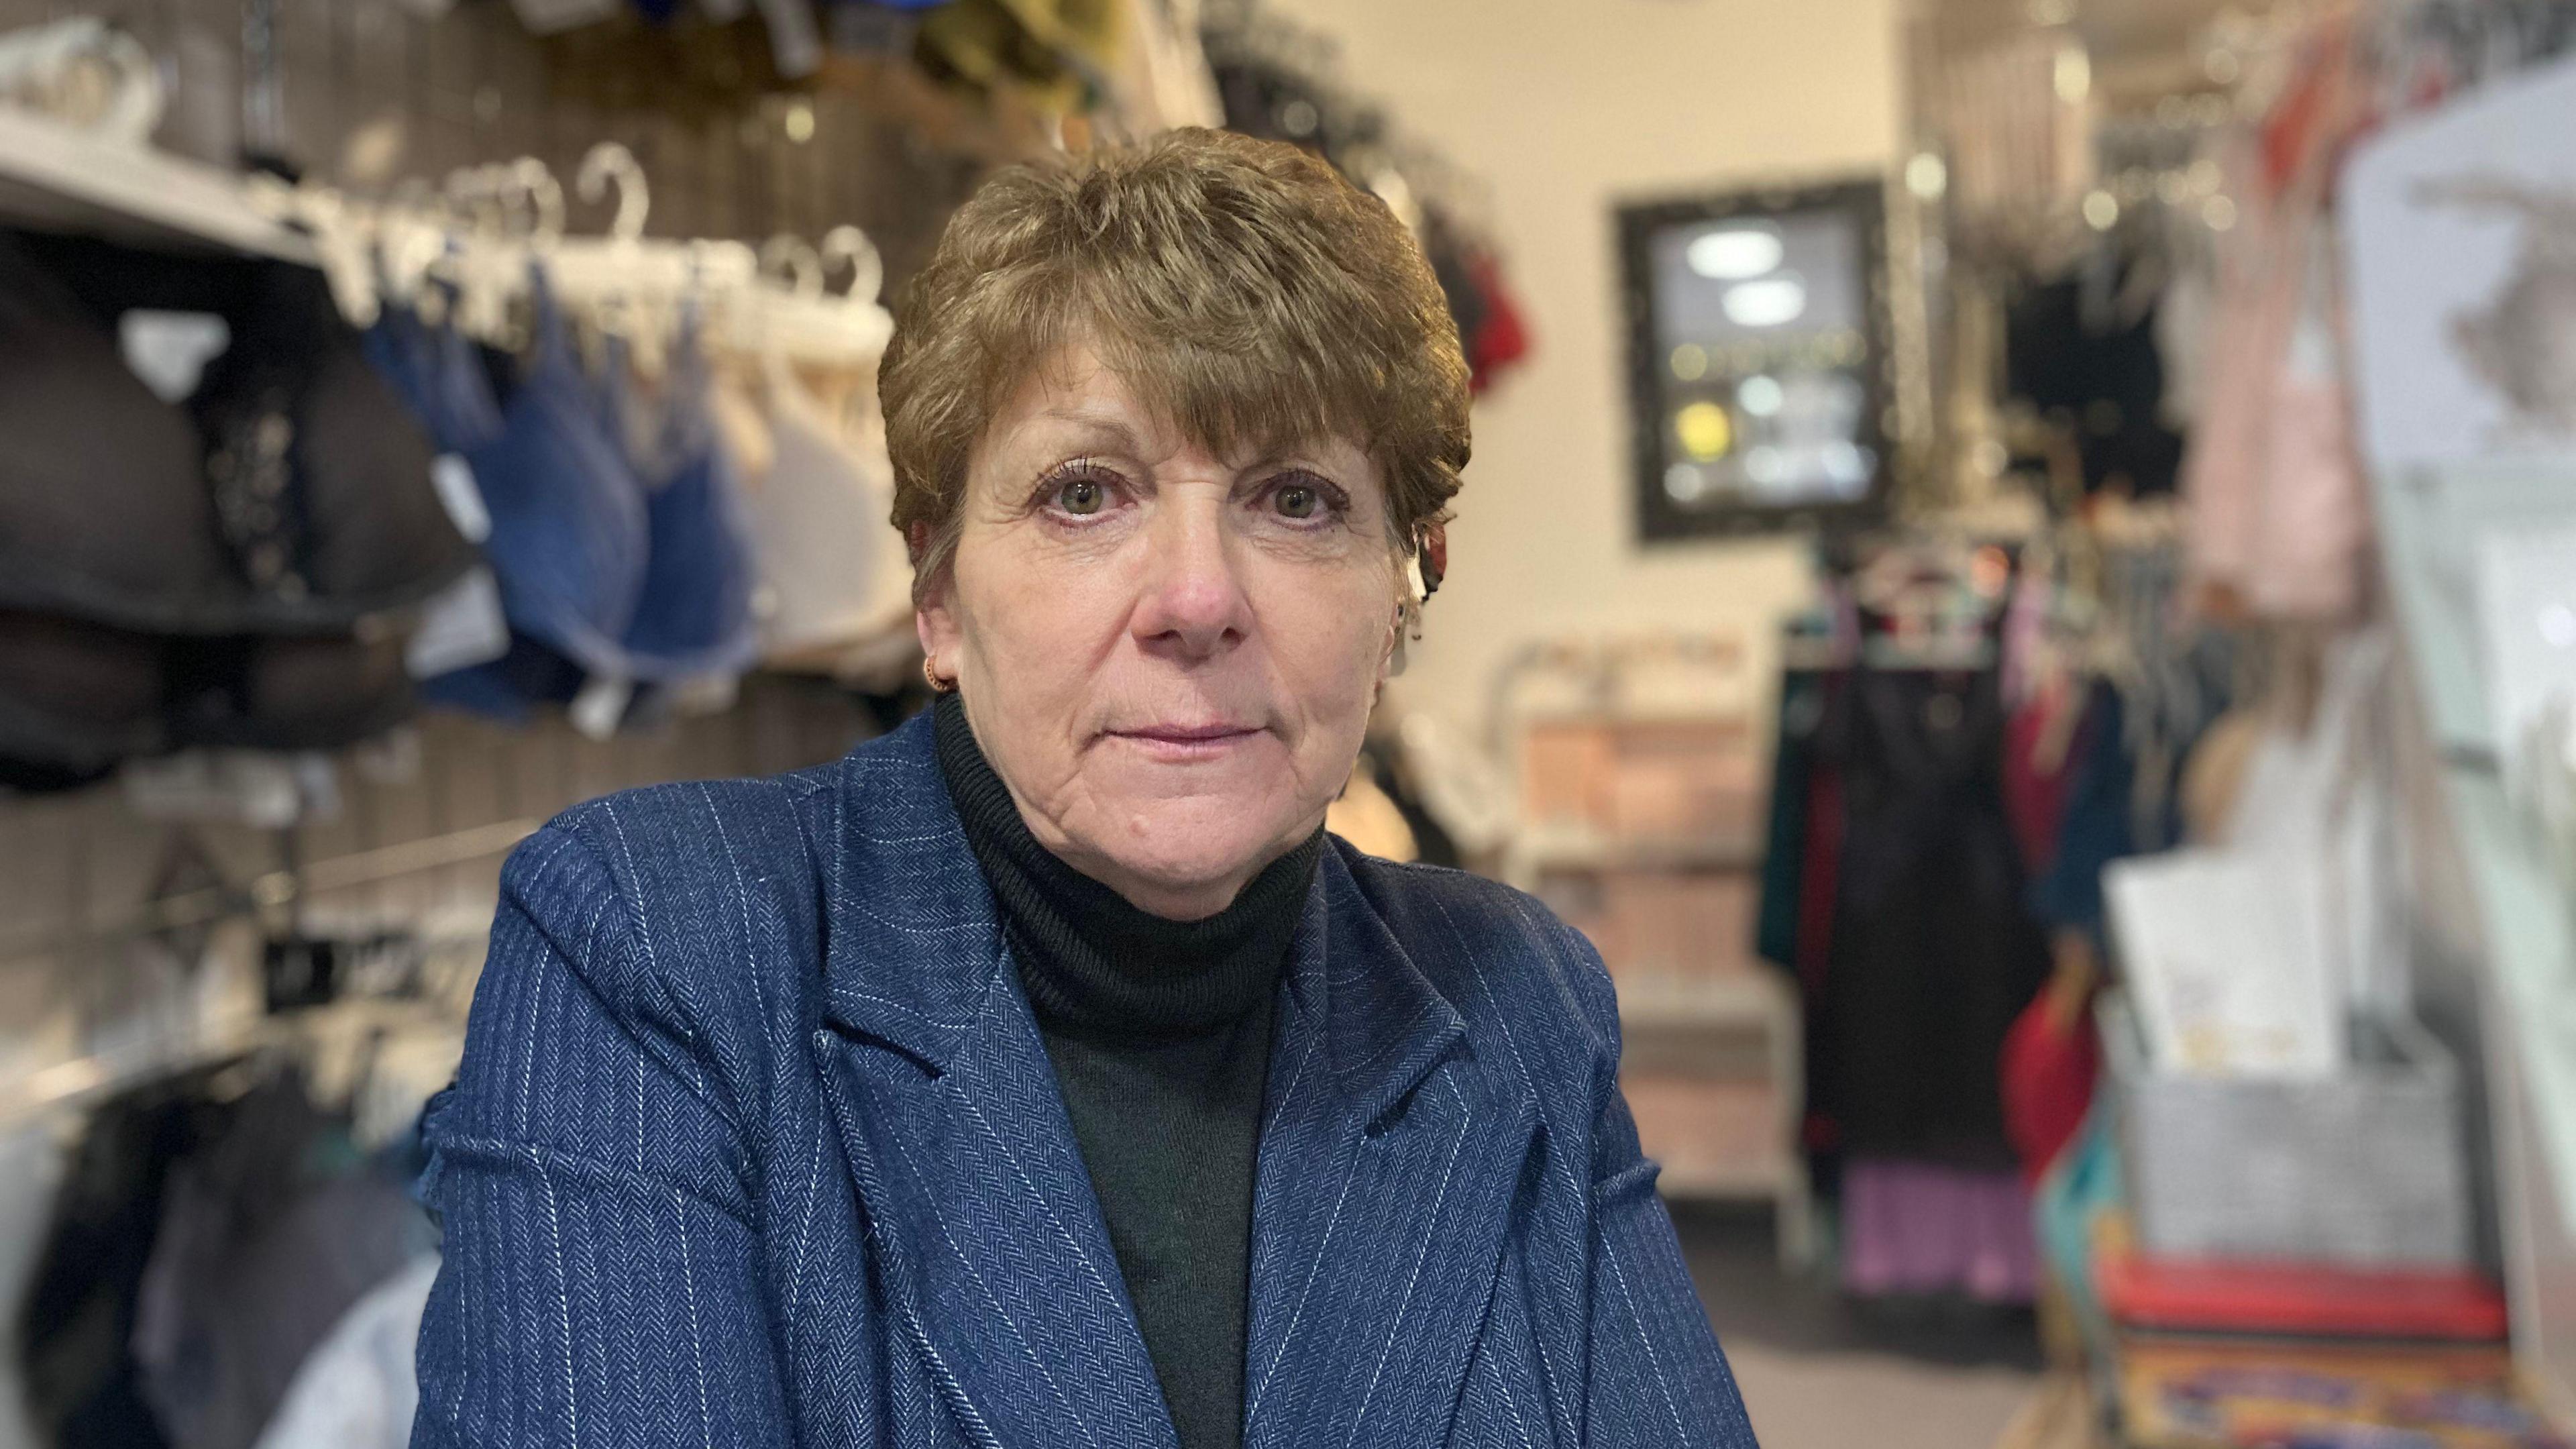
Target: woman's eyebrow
point(1100, 422)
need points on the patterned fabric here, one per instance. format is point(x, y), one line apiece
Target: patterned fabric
point(756, 1143)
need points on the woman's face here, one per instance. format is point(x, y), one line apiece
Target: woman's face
point(1168, 656)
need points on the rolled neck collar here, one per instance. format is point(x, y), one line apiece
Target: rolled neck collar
point(1091, 961)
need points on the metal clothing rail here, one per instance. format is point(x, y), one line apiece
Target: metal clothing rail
point(281, 887)
point(69, 1085)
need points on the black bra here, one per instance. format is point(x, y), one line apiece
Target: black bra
point(238, 569)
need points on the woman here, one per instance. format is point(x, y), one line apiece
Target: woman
point(1041, 1074)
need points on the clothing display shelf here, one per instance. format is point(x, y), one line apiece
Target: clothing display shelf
point(57, 177)
point(1639, 788)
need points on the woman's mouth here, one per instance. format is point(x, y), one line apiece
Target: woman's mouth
point(1187, 742)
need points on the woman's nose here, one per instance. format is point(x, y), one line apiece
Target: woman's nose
point(1193, 604)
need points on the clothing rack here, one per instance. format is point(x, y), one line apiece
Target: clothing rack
point(461, 242)
point(282, 888)
point(209, 1040)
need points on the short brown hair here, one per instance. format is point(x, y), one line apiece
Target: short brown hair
point(1243, 287)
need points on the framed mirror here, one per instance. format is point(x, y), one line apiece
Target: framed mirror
point(1759, 359)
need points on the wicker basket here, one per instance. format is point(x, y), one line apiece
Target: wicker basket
point(2368, 1167)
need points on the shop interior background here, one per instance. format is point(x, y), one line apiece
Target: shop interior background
point(2148, 510)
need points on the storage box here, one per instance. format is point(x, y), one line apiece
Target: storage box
point(1689, 780)
point(2296, 1300)
point(1680, 924)
point(1705, 1129)
point(1565, 774)
point(1683, 780)
point(1670, 927)
point(2364, 1168)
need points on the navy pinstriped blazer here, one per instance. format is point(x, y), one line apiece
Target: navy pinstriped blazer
point(756, 1143)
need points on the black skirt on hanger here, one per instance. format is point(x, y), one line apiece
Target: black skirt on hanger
point(1934, 952)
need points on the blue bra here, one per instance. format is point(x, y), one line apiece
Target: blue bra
point(609, 563)
point(695, 617)
point(435, 372)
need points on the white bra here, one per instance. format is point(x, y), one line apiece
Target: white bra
point(831, 564)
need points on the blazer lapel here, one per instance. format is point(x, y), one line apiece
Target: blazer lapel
point(974, 1193)
point(1387, 1169)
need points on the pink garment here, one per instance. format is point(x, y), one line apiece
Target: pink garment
point(1912, 1227)
point(2278, 511)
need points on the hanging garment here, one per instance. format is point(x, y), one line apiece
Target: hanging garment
point(1784, 852)
point(75, 699)
point(1818, 877)
point(237, 571)
point(2278, 514)
point(358, 1389)
point(510, 688)
point(819, 521)
point(2101, 372)
point(1913, 1227)
point(438, 376)
point(618, 534)
point(77, 1322)
point(569, 531)
point(1933, 953)
point(693, 618)
point(1502, 340)
point(31, 1170)
point(289, 694)
point(306, 504)
point(2052, 1061)
point(1468, 307)
point(2098, 822)
point(104, 512)
point(2042, 746)
point(1161, 79)
point(268, 1235)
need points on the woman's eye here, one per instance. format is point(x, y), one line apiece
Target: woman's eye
point(1298, 501)
point(1081, 496)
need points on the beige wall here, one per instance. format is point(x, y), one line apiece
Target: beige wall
point(1565, 107)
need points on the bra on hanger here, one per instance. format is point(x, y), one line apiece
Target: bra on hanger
point(438, 376)
point(237, 570)
point(695, 617)
point(819, 521)
point(616, 536)
point(300, 500)
point(104, 512)
point(569, 531)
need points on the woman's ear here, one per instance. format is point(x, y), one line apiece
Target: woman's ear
point(934, 614)
point(1399, 627)
point(935, 624)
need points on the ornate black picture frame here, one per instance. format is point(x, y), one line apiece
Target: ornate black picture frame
point(1760, 359)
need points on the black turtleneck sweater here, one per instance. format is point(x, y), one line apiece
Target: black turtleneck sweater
point(1160, 1035)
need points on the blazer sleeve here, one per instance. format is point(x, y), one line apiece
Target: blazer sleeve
point(601, 1281)
point(1657, 1375)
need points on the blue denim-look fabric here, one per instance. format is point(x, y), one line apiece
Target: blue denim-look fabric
point(756, 1143)
point(695, 615)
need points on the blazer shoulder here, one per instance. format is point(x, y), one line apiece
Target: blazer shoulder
point(1498, 954)
point(675, 895)
point(653, 838)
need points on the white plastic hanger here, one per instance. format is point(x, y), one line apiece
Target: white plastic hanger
point(799, 320)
